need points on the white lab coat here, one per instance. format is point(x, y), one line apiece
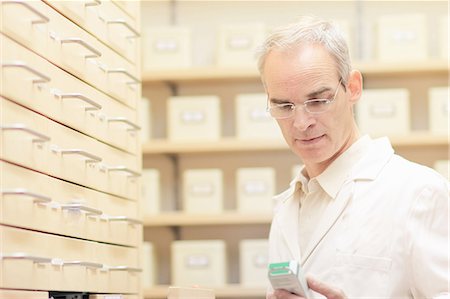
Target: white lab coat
point(385, 235)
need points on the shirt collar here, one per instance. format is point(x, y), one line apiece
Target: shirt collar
point(337, 172)
point(332, 179)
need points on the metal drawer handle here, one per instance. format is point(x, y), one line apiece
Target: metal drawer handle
point(125, 24)
point(83, 264)
point(93, 3)
point(90, 157)
point(81, 207)
point(44, 19)
point(131, 173)
point(94, 105)
point(25, 256)
point(126, 73)
point(21, 127)
point(133, 126)
point(37, 198)
point(125, 219)
point(124, 268)
point(42, 78)
point(95, 52)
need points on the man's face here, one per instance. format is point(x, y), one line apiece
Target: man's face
point(307, 73)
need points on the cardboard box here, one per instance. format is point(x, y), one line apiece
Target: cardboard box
point(150, 187)
point(253, 121)
point(439, 110)
point(384, 112)
point(255, 189)
point(166, 48)
point(194, 118)
point(200, 263)
point(237, 44)
point(203, 190)
point(253, 262)
point(402, 37)
point(443, 38)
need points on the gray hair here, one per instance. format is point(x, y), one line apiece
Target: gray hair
point(309, 30)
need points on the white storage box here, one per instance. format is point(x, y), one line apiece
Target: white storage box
point(255, 189)
point(443, 166)
point(439, 110)
point(402, 37)
point(253, 262)
point(384, 112)
point(150, 186)
point(203, 190)
point(166, 48)
point(149, 266)
point(253, 121)
point(194, 118)
point(237, 44)
point(145, 120)
point(199, 263)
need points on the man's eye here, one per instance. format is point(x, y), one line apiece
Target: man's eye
point(316, 103)
point(284, 107)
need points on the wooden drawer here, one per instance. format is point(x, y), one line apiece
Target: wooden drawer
point(15, 294)
point(26, 261)
point(107, 22)
point(24, 136)
point(123, 275)
point(49, 90)
point(27, 22)
point(65, 153)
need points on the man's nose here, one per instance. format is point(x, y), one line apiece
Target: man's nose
point(302, 119)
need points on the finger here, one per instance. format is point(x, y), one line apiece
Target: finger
point(325, 289)
point(283, 294)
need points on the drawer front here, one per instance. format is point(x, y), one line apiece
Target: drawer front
point(50, 91)
point(15, 294)
point(65, 153)
point(25, 262)
point(27, 22)
point(107, 22)
point(123, 275)
point(24, 136)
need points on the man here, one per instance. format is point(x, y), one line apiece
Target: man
point(362, 221)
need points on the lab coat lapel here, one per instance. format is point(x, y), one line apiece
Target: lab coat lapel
point(288, 221)
point(329, 219)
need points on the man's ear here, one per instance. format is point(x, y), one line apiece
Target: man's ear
point(355, 85)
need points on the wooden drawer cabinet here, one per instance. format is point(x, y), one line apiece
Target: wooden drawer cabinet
point(70, 154)
point(50, 91)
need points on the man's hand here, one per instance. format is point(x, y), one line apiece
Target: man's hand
point(318, 286)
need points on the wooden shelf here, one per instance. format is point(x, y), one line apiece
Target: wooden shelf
point(160, 146)
point(230, 291)
point(213, 73)
point(179, 218)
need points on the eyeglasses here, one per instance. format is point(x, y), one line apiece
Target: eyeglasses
point(315, 106)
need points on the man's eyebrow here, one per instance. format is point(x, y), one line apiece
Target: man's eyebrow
point(318, 92)
point(278, 101)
